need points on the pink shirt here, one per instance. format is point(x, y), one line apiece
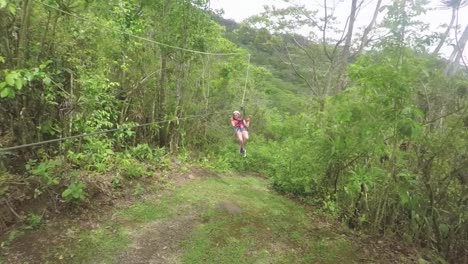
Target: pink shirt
point(238, 123)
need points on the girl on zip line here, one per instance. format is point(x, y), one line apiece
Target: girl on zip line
point(240, 129)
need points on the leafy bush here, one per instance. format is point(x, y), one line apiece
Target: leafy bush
point(131, 168)
point(75, 192)
point(143, 152)
point(378, 155)
point(97, 155)
point(47, 171)
point(34, 221)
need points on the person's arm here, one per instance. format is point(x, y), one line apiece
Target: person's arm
point(233, 122)
point(247, 121)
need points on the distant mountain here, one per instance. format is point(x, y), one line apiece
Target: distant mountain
point(284, 89)
point(230, 24)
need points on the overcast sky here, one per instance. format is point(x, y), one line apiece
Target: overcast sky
point(242, 9)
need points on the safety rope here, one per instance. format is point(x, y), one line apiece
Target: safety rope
point(245, 85)
point(102, 132)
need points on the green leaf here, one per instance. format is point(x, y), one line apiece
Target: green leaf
point(46, 80)
point(10, 78)
point(55, 181)
point(422, 261)
point(5, 92)
point(44, 65)
point(444, 229)
point(66, 193)
point(77, 194)
point(28, 76)
point(19, 83)
point(3, 3)
point(109, 151)
point(12, 9)
point(404, 197)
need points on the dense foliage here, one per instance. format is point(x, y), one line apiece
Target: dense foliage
point(389, 153)
point(147, 72)
point(380, 156)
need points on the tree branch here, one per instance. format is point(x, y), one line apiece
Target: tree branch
point(310, 57)
point(298, 73)
point(443, 116)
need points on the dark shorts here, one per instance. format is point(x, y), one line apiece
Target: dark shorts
point(238, 129)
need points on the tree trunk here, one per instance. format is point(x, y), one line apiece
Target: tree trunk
point(23, 33)
point(44, 36)
point(161, 100)
point(51, 46)
point(349, 34)
point(174, 126)
point(347, 46)
point(446, 33)
point(403, 24)
point(457, 53)
point(365, 35)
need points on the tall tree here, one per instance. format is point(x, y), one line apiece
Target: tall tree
point(457, 55)
point(321, 71)
point(368, 29)
point(346, 48)
point(455, 5)
point(23, 32)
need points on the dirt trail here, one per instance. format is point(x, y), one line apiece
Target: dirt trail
point(245, 223)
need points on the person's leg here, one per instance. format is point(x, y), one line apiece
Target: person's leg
point(240, 138)
point(245, 137)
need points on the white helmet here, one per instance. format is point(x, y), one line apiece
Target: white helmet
point(236, 112)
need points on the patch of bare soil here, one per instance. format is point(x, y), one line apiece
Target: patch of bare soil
point(229, 208)
point(181, 177)
point(376, 250)
point(371, 249)
point(160, 242)
point(33, 246)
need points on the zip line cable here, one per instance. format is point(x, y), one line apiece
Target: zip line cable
point(141, 38)
point(102, 132)
point(162, 44)
point(246, 79)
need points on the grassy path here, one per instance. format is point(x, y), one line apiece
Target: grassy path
point(210, 220)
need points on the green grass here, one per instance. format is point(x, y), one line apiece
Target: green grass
point(268, 229)
point(102, 244)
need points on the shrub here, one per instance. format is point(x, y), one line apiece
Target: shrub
point(75, 192)
point(47, 171)
point(34, 221)
point(131, 168)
